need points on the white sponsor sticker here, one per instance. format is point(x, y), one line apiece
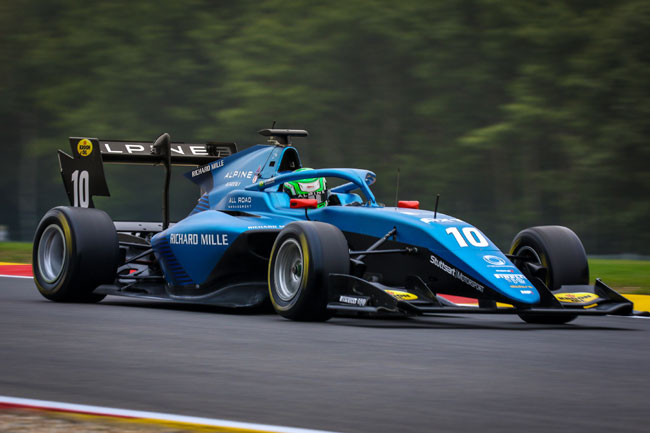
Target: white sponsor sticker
point(439, 220)
point(494, 260)
point(361, 302)
point(512, 278)
point(199, 239)
point(455, 273)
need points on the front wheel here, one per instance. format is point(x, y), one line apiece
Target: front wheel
point(304, 254)
point(558, 253)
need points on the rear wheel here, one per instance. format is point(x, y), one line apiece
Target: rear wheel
point(559, 258)
point(304, 254)
point(75, 250)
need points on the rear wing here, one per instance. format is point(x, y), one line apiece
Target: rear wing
point(83, 172)
point(138, 152)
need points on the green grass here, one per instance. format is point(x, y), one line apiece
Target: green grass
point(16, 252)
point(626, 276)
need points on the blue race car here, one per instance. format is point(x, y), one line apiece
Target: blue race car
point(267, 229)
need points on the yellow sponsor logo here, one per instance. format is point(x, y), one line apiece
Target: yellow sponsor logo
point(576, 298)
point(85, 147)
point(402, 296)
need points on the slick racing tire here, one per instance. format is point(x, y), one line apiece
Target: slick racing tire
point(75, 250)
point(304, 254)
point(560, 251)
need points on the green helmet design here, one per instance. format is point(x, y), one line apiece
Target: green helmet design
point(315, 188)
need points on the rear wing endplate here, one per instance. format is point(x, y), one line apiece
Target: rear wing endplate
point(83, 172)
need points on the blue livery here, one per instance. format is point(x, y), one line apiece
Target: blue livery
point(248, 241)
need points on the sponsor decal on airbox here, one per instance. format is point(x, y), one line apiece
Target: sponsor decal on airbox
point(239, 174)
point(241, 202)
point(207, 168)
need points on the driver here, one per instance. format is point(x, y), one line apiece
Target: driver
point(315, 188)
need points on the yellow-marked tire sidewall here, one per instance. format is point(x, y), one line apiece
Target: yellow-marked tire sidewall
point(58, 218)
point(278, 304)
point(91, 254)
point(325, 250)
point(559, 250)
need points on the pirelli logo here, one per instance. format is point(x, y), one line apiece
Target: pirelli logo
point(353, 300)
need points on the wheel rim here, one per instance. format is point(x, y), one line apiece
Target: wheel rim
point(528, 252)
point(51, 253)
point(533, 257)
point(288, 270)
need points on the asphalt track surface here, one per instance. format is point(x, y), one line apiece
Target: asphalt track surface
point(453, 373)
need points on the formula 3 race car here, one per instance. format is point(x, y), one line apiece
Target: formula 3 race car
point(250, 240)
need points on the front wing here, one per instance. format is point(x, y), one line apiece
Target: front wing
point(352, 294)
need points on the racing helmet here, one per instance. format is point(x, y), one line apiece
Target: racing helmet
point(315, 188)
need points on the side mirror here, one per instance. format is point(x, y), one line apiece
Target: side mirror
point(303, 203)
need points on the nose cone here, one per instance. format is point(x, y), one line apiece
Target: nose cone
point(505, 278)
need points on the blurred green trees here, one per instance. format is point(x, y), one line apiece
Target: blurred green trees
point(517, 113)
